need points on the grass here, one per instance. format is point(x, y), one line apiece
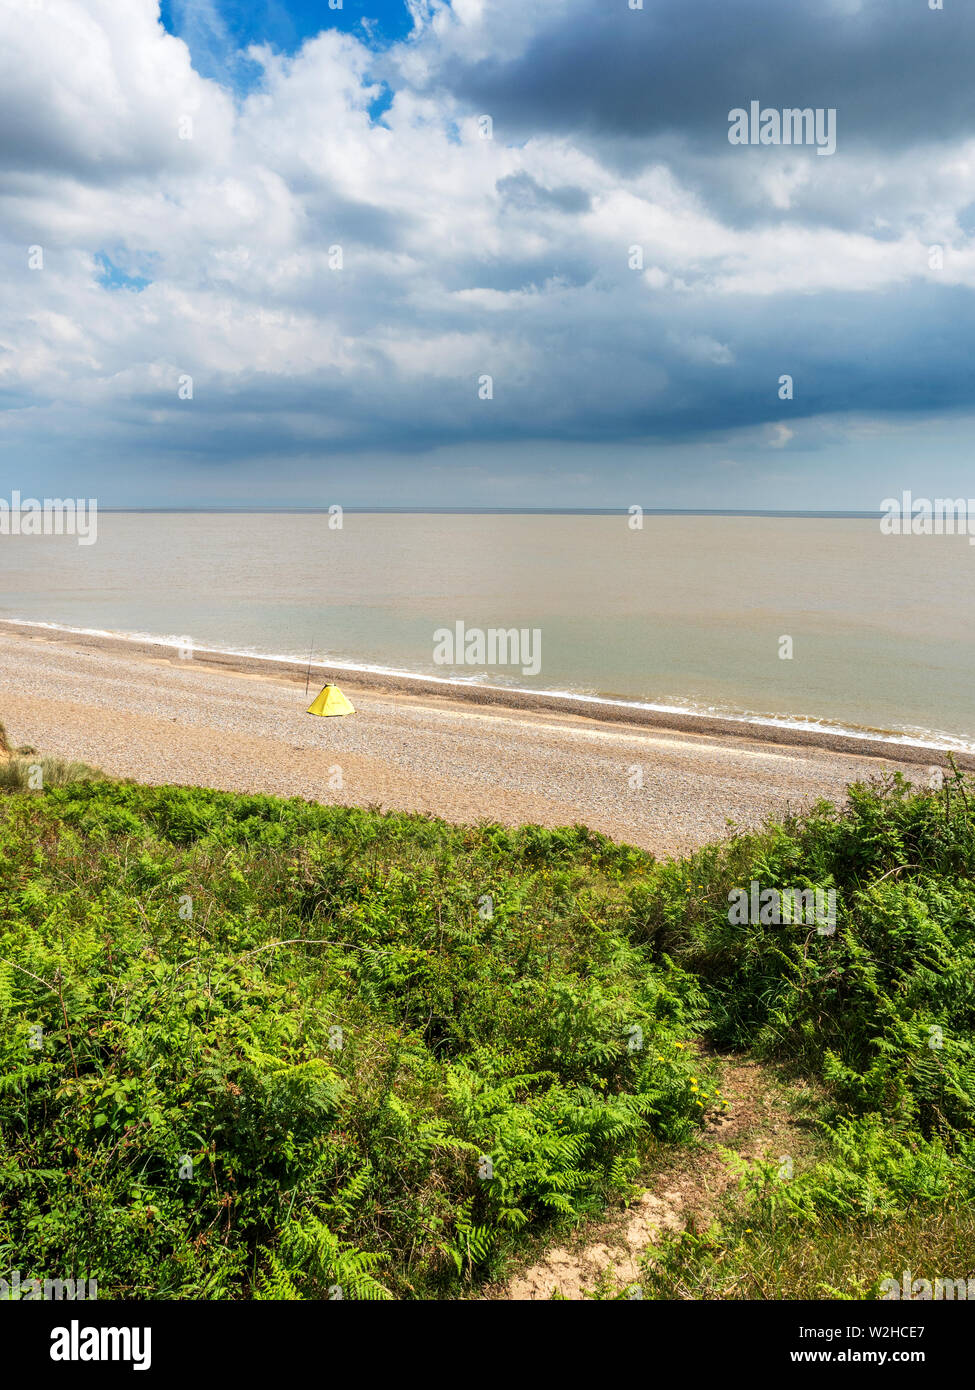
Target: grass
point(26, 773)
point(257, 1048)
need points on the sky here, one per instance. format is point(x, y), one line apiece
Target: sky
point(493, 252)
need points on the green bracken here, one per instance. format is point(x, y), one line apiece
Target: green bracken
point(256, 1048)
point(376, 1080)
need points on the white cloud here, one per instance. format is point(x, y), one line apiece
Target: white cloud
point(442, 277)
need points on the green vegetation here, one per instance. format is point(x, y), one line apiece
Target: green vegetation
point(261, 1048)
point(469, 1029)
point(881, 1012)
point(25, 773)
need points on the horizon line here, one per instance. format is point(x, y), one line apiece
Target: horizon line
point(296, 510)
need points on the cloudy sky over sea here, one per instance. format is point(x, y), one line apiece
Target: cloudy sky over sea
point(187, 174)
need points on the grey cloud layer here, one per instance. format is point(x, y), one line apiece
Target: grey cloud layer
point(899, 73)
point(464, 256)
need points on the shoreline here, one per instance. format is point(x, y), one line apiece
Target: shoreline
point(668, 785)
point(363, 680)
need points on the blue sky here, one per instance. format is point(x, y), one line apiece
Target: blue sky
point(499, 252)
point(287, 23)
point(217, 33)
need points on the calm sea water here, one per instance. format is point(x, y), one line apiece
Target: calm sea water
point(687, 612)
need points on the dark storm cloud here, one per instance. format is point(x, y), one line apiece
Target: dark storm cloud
point(624, 381)
point(897, 72)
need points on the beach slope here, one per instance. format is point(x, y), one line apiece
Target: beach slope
point(138, 711)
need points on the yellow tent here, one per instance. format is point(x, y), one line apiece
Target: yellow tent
point(331, 701)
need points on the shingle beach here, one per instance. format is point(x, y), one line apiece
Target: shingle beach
point(239, 724)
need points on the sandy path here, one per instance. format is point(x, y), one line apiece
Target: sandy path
point(165, 720)
point(757, 1124)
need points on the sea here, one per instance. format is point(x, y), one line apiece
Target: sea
point(786, 619)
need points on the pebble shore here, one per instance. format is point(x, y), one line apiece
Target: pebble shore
point(140, 712)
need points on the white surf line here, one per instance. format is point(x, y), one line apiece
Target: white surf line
point(949, 743)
